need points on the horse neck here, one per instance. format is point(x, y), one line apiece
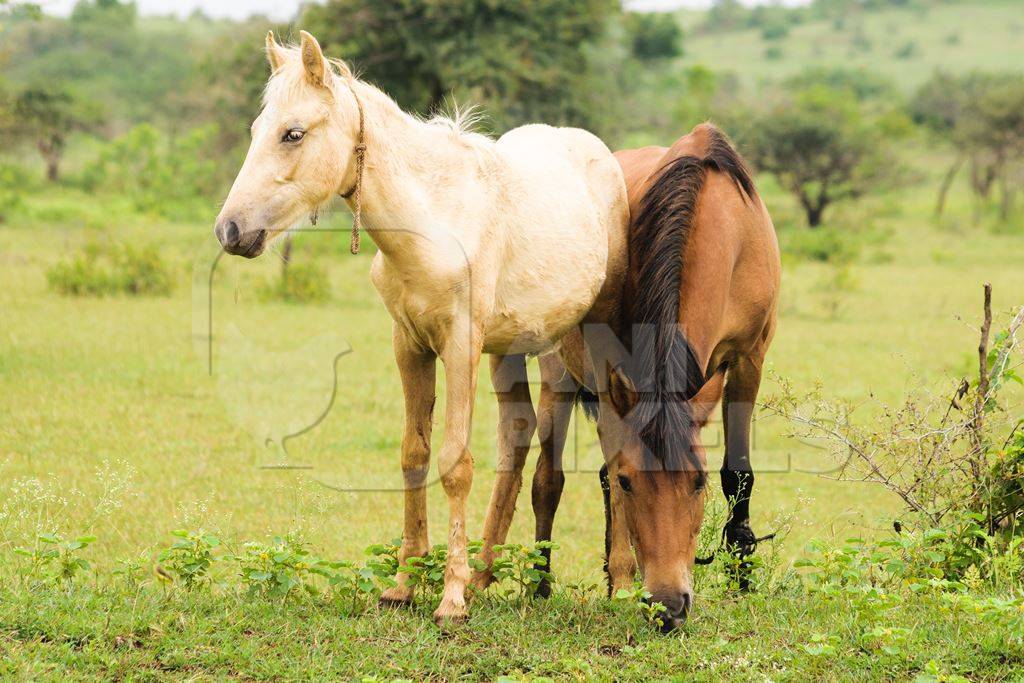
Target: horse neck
point(408, 163)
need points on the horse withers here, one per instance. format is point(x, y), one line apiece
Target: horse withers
point(498, 247)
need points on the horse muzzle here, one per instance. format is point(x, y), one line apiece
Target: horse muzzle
point(249, 243)
point(677, 607)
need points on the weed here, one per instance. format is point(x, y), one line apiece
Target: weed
point(190, 557)
point(57, 558)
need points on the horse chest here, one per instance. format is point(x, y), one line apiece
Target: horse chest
point(424, 306)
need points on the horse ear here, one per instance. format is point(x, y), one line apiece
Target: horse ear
point(621, 391)
point(313, 59)
point(274, 54)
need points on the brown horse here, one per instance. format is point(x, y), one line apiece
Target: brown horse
point(698, 315)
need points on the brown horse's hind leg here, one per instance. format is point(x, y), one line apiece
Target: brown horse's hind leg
point(516, 425)
point(418, 372)
point(557, 392)
point(741, 387)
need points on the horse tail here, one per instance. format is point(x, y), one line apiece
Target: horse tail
point(665, 367)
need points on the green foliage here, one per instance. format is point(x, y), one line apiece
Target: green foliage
point(654, 35)
point(524, 566)
point(641, 599)
point(102, 270)
point(100, 55)
point(861, 83)
point(427, 572)
point(826, 245)
point(43, 118)
point(56, 558)
point(299, 282)
point(282, 568)
point(190, 557)
point(14, 181)
point(522, 61)
point(822, 148)
point(169, 177)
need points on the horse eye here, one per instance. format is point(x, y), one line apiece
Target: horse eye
point(625, 483)
point(294, 135)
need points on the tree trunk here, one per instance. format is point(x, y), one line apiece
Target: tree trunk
point(947, 182)
point(51, 151)
point(1007, 203)
point(814, 215)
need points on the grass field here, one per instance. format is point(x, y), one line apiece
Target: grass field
point(903, 45)
point(124, 421)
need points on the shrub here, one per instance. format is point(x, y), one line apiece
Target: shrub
point(523, 566)
point(190, 557)
point(172, 178)
point(13, 182)
point(955, 459)
point(825, 245)
point(101, 270)
point(299, 283)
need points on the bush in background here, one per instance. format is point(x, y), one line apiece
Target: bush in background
point(299, 283)
point(104, 270)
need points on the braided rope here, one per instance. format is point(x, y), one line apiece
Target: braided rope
point(356, 193)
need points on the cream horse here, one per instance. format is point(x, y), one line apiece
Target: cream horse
point(498, 247)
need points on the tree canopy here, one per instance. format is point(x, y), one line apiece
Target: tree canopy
point(523, 61)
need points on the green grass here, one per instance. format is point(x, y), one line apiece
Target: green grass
point(110, 405)
point(147, 636)
point(955, 36)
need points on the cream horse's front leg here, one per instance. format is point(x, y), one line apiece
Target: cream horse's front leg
point(418, 371)
point(461, 359)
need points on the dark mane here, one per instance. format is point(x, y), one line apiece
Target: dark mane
point(665, 367)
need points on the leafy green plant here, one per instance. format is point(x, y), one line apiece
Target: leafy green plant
point(282, 568)
point(305, 282)
point(57, 557)
point(190, 557)
point(427, 572)
point(524, 566)
point(641, 598)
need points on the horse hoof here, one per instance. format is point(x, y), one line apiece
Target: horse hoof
point(395, 598)
point(543, 590)
point(450, 614)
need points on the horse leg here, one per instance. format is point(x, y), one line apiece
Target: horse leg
point(516, 425)
point(557, 392)
point(461, 359)
point(620, 561)
point(741, 387)
point(417, 369)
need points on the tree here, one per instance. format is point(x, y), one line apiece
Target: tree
point(821, 147)
point(45, 117)
point(981, 116)
point(523, 60)
point(725, 15)
point(654, 35)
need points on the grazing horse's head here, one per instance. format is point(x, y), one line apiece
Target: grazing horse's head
point(302, 149)
point(663, 500)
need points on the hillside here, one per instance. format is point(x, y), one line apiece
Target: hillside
point(905, 45)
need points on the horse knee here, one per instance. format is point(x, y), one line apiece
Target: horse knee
point(456, 466)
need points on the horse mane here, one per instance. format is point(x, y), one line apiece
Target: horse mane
point(664, 366)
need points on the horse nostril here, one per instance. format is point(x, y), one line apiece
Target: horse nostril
point(231, 235)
